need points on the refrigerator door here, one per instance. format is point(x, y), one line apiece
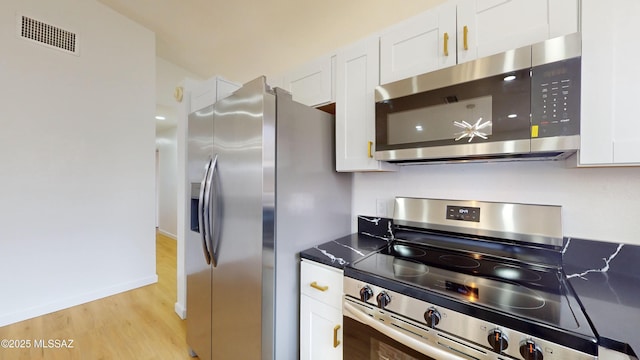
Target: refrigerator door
point(239, 131)
point(197, 251)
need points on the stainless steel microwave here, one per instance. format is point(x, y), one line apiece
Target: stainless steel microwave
point(520, 104)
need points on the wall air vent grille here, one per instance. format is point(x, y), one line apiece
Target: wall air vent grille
point(48, 35)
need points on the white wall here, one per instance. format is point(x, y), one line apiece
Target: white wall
point(76, 159)
point(597, 203)
point(166, 143)
point(168, 76)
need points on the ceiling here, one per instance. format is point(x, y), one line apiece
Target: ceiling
point(239, 39)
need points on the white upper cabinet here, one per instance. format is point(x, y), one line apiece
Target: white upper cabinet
point(493, 26)
point(464, 30)
point(609, 117)
point(356, 80)
point(313, 83)
point(208, 92)
point(420, 44)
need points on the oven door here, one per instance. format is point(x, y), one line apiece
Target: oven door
point(371, 333)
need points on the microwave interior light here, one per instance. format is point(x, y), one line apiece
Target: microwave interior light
point(512, 116)
point(418, 127)
point(159, 117)
point(509, 78)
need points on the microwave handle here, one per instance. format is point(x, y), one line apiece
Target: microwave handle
point(417, 345)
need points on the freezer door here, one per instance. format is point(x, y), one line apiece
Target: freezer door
point(238, 222)
point(197, 253)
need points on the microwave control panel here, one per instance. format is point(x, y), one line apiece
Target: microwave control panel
point(555, 99)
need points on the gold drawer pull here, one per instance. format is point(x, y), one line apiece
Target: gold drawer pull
point(336, 342)
point(370, 143)
point(318, 287)
point(446, 44)
point(465, 30)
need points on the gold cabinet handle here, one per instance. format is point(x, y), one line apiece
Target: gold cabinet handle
point(336, 342)
point(465, 40)
point(370, 147)
point(318, 287)
point(446, 44)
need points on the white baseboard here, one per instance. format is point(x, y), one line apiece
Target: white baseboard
point(24, 314)
point(181, 310)
point(168, 234)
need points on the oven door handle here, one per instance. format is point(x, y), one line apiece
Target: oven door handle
point(420, 346)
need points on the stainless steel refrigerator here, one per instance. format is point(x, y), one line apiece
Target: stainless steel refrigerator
point(264, 187)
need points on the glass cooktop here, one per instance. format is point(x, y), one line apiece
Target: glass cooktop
point(532, 292)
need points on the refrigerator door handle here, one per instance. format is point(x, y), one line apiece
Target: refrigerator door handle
point(214, 222)
point(203, 211)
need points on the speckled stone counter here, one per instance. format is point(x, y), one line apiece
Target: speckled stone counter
point(606, 278)
point(373, 233)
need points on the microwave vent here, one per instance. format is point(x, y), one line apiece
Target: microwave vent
point(450, 99)
point(47, 35)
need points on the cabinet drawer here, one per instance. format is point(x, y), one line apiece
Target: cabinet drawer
point(322, 283)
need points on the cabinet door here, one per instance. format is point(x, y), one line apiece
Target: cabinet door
point(320, 330)
point(208, 92)
point(609, 117)
point(356, 79)
point(322, 283)
point(418, 45)
point(493, 26)
point(312, 83)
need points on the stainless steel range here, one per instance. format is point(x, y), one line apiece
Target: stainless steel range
point(466, 280)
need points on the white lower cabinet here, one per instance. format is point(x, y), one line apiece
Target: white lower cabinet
point(320, 330)
point(320, 312)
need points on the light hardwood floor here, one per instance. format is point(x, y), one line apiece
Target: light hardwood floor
point(137, 324)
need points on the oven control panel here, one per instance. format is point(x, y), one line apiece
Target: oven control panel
point(464, 213)
point(462, 333)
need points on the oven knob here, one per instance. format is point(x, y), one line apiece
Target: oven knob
point(498, 340)
point(383, 299)
point(530, 351)
point(366, 293)
point(432, 317)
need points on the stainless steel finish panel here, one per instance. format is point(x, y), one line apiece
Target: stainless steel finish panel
point(541, 224)
point(313, 206)
point(570, 144)
point(270, 123)
point(452, 329)
point(511, 60)
point(556, 49)
point(237, 277)
point(200, 142)
point(269, 200)
point(456, 151)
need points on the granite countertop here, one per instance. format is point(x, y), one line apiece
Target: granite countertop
point(373, 234)
point(606, 279)
point(605, 276)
